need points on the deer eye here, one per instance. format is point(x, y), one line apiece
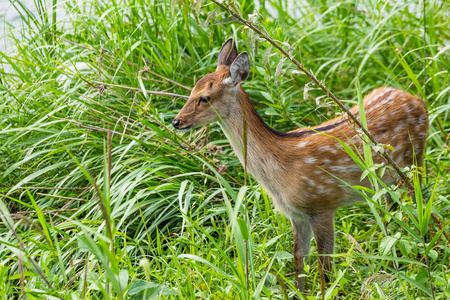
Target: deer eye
point(204, 99)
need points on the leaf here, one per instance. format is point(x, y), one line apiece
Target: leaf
point(299, 72)
point(284, 255)
point(198, 7)
point(386, 244)
point(364, 174)
point(243, 228)
point(251, 43)
point(83, 245)
point(267, 95)
point(140, 285)
point(224, 21)
point(210, 16)
point(25, 274)
point(266, 56)
point(140, 290)
point(378, 194)
point(279, 71)
point(433, 254)
point(123, 279)
point(261, 71)
point(173, 4)
point(387, 146)
point(271, 112)
point(289, 48)
point(405, 246)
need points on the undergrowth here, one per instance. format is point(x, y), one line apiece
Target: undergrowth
point(101, 198)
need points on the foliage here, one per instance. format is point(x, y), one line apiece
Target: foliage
point(101, 198)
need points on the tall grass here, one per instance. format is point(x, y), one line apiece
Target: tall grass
point(101, 198)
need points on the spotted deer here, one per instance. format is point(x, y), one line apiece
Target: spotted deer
point(303, 170)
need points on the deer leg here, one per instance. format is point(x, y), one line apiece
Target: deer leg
point(302, 242)
point(323, 229)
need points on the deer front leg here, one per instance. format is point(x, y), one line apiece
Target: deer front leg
point(302, 242)
point(323, 230)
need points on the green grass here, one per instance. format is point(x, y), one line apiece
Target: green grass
point(101, 199)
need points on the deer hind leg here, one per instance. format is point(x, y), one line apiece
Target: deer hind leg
point(302, 243)
point(323, 229)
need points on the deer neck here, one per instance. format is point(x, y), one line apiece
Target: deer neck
point(257, 146)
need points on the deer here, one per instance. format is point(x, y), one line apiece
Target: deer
point(303, 170)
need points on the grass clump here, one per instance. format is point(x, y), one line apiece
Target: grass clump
point(100, 198)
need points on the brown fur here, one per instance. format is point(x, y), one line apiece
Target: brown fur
point(299, 169)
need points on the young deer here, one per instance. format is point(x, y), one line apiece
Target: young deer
point(298, 169)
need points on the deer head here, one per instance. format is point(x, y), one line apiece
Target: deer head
point(216, 94)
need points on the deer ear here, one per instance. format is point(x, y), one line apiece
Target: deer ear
point(240, 68)
point(227, 54)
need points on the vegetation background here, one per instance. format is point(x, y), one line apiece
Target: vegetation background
point(101, 199)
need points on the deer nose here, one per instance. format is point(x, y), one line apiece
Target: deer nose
point(176, 123)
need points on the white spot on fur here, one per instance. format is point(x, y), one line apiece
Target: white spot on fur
point(302, 144)
point(324, 148)
point(346, 159)
point(321, 189)
point(377, 105)
point(392, 95)
point(311, 183)
point(327, 148)
point(386, 137)
point(405, 107)
point(383, 92)
point(399, 160)
point(310, 160)
point(398, 147)
point(388, 101)
point(345, 168)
